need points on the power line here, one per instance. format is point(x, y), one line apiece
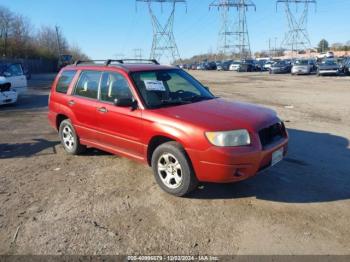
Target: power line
point(234, 37)
point(163, 35)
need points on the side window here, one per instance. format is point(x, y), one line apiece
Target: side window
point(114, 85)
point(15, 70)
point(87, 85)
point(64, 81)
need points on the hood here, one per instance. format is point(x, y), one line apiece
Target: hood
point(328, 67)
point(301, 66)
point(220, 114)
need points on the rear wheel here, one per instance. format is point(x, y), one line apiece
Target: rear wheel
point(69, 138)
point(173, 170)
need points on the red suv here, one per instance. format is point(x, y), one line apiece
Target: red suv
point(162, 116)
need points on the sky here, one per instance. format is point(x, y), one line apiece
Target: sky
point(106, 28)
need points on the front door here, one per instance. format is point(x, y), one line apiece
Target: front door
point(120, 127)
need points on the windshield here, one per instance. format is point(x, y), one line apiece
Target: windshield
point(329, 62)
point(280, 63)
point(301, 62)
point(172, 87)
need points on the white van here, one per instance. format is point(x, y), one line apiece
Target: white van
point(14, 74)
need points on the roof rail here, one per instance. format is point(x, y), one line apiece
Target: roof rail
point(78, 62)
point(124, 61)
point(120, 61)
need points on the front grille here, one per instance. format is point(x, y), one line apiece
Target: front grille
point(272, 134)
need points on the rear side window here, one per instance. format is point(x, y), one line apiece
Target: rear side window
point(64, 81)
point(88, 83)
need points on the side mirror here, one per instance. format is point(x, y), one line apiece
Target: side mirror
point(7, 74)
point(125, 102)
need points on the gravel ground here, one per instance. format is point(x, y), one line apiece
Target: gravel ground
point(97, 203)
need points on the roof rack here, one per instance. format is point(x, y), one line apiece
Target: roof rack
point(119, 61)
point(147, 61)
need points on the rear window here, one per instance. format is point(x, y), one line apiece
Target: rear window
point(64, 81)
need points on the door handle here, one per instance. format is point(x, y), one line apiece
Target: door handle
point(102, 109)
point(71, 102)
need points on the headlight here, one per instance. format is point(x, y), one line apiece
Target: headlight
point(229, 138)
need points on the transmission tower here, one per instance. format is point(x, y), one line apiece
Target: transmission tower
point(297, 37)
point(234, 36)
point(163, 35)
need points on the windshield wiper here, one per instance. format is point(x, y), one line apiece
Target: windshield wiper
point(199, 98)
point(175, 102)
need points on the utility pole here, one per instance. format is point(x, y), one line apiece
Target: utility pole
point(275, 53)
point(164, 43)
point(58, 41)
point(297, 37)
point(270, 53)
point(234, 37)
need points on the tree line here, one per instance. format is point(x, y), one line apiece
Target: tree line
point(18, 39)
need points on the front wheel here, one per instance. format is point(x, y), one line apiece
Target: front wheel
point(173, 170)
point(70, 139)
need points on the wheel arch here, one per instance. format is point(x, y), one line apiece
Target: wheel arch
point(158, 140)
point(59, 119)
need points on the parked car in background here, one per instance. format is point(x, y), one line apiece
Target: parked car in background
point(235, 65)
point(210, 66)
point(185, 133)
point(201, 66)
point(259, 65)
point(267, 65)
point(303, 67)
point(247, 65)
point(328, 67)
point(345, 66)
point(8, 95)
point(219, 66)
point(14, 74)
point(225, 66)
point(281, 67)
point(64, 60)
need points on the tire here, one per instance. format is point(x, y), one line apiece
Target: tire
point(69, 138)
point(173, 169)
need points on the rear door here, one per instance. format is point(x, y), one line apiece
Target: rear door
point(84, 104)
point(121, 127)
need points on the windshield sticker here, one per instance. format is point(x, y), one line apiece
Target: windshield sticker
point(154, 85)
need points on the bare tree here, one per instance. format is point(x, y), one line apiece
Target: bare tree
point(19, 40)
point(6, 17)
point(20, 36)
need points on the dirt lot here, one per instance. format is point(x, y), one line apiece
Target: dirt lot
point(98, 203)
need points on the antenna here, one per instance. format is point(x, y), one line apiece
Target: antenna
point(234, 38)
point(297, 37)
point(163, 35)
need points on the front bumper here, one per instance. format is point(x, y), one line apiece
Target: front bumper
point(280, 71)
point(300, 71)
point(226, 165)
point(8, 97)
point(328, 72)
